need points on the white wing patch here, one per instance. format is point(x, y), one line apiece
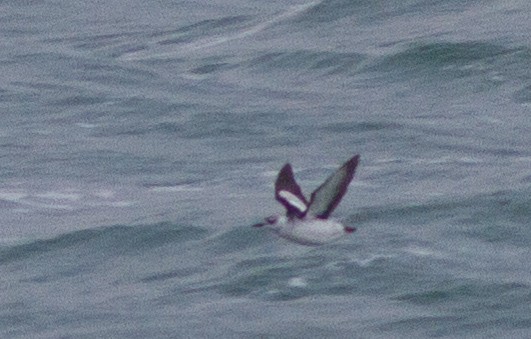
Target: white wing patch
point(293, 200)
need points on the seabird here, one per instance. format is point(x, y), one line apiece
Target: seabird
point(309, 223)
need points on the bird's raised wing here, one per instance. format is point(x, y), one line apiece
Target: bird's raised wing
point(327, 196)
point(289, 194)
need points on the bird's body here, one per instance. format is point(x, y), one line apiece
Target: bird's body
point(309, 223)
point(309, 231)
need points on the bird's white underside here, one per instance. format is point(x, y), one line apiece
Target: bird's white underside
point(309, 231)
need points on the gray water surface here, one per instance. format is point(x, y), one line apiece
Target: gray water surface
point(140, 141)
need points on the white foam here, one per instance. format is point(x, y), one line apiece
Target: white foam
point(59, 196)
point(121, 203)
point(85, 125)
point(423, 252)
point(375, 257)
point(12, 196)
point(297, 282)
point(13, 241)
point(47, 206)
point(214, 41)
point(176, 188)
point(67, 199)
point(104, 194)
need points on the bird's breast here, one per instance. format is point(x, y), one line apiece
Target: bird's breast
point(312, 231)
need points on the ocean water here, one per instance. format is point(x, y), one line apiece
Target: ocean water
point(139, 141)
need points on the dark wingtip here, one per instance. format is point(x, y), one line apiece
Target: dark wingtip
point(354, 160)
point(350, 229)
point(285, 172)
point(351, 166)
point(286, 167)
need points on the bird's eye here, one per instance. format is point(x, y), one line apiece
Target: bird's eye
point(271, 219)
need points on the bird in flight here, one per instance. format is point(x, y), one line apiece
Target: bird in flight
point(309, 223)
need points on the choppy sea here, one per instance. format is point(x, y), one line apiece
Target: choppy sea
point(139, 141)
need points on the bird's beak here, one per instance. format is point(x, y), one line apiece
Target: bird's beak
point(350, 229)
point(260, 224)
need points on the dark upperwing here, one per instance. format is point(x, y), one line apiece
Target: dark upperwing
point(285, 185)
point(327, 196)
